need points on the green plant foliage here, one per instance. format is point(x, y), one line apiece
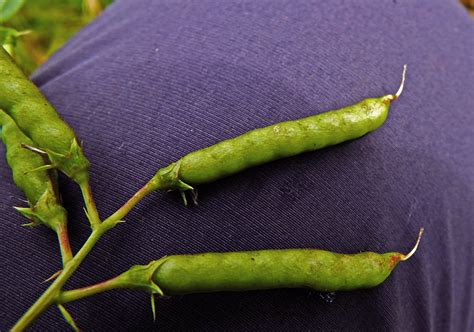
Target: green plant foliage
point(8, 8)
point(52, 23)
point(9, 36)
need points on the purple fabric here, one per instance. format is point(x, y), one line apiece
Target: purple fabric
point(150, 81)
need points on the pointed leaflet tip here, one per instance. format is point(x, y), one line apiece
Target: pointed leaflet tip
point(67, 316)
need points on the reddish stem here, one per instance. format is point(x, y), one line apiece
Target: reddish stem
point(130, 204)
point(76, 294)
point(64, 245)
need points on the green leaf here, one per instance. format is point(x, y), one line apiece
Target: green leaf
point(8, 8)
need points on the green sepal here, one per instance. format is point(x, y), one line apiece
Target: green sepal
point(73, 164)
point(153, 307)
point(9, 36)
point(30, 214)
point(46, 211)
point(168, 179)
point(41, 168)
point(141, 277)
point(68, 317)
point(27, 212)
point(87, 215)
point(31, 224)
point(183, 197)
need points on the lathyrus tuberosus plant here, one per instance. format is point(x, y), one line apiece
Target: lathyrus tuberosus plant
point(39, 144)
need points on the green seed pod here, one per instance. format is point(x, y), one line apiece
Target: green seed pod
point(39, 186)
point(266, 269)
point(35, 116)
point(262, 269)
point(277, 141)
point(251, 270)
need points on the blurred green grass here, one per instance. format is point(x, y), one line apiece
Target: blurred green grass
point(51, 23)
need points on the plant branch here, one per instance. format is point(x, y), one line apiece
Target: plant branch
point(77, 294)
point(91, 209)
point(64, 245)
point(53, 290)
point(49, 296)
point(130, 204)
point(98, 229)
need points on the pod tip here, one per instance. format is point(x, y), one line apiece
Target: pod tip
point(402, 84)
point(412, 252)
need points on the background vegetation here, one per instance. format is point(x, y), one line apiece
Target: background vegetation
point(31, 30)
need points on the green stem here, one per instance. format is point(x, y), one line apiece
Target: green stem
point(64, 245)
point(130, 204)
point(77, 294)
point(54, 289)
point(50, 294)
point(98, 229)
point(92, 213)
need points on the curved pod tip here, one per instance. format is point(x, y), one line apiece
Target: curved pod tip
point(400, 88)
point(412, 252)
